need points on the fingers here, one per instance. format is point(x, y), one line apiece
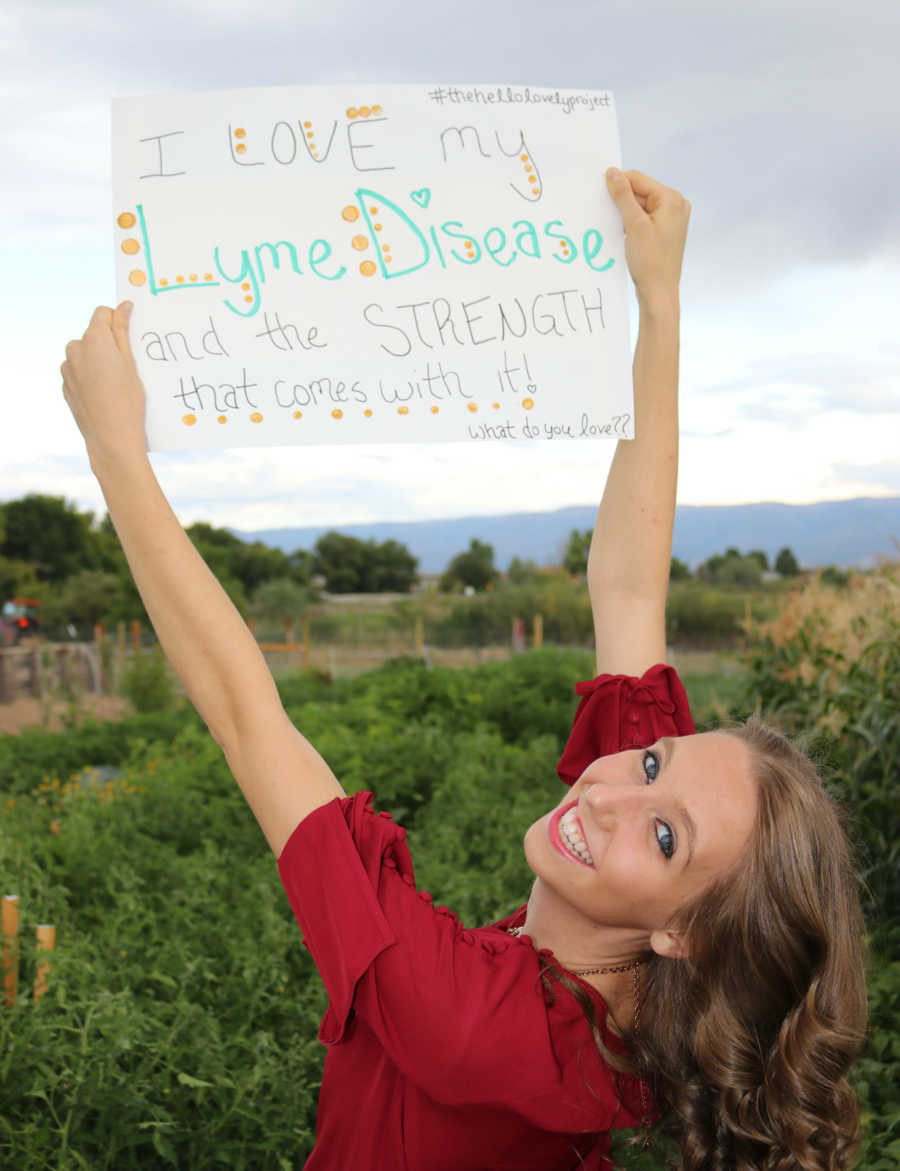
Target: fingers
point(120, 327)
point(102, 316)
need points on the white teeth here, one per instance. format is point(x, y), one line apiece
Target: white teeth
point(572, 836)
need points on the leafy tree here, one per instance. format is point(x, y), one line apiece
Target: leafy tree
point(475, 567)
point(397, 569)
point(279, 599)
point(17, 579)
point(833, 576)
point(577, 550)
point(84, 599)
point(50, 534)
point(732, 568)
point(300, 566)
point(520, 572)
point(679, 570)
point(352, 566)
point(786, 563)
point(761, 558)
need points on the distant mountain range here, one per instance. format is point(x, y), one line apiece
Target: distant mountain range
point(836, 532)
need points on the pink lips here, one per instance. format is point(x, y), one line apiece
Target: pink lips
point(556, 839)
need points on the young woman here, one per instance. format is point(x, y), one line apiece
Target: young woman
point(691, 949)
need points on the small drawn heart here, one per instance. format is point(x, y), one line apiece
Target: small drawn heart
point(422, 197)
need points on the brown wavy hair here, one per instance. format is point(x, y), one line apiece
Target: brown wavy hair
point(749, 1040)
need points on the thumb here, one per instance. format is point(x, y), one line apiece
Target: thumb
point(619, 187)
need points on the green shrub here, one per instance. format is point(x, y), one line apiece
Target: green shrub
point(147, 682)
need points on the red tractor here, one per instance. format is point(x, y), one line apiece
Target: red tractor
point(19, 620)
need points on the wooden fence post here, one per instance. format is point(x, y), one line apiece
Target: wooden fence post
point(420, 637)
point(121, 654)
point(10, 948)
point(46, 941)
point(99, 641)
point(538, 631)
point(136, 635)
point(306, 643)
point(288, 624)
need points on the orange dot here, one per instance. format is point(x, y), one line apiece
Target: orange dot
point(245, 286)
point(402, 410)
point(528, 168)
point(307, 124)
point(240, 133)
point(194, 277)
point(367, 268)
point(350, 213)
point(360, 243)
point(130, 246)
point(376, 110)
point(222, 419)
point(179, 280)
point(385, 247)
point(248, 298)
point(388, 259)
point(189, 420)
point(377, 227)
point(367, 413)
point(527, 403)
point(164, 281)
point(298, 414)
point(240, 149)
point(207, 276)
point(473, 407)
point(434, 410)
point(136, 277)
point(364, 111)
point(524, 158)
point(535, 187)
point(352, 112)
point(315, 154)
point(256, 417)
point(126, 220)
point(337, 413)
point(373, 210)
point(496, 406)
point(310, 134)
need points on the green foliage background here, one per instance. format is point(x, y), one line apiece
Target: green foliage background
point(180, 1025)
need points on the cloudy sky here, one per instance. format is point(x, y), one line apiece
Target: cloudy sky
point(777, 119)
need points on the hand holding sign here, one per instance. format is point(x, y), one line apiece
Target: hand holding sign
point(655, 219)
point(443, 263)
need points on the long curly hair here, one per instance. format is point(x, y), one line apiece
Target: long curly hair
point(749, 1040)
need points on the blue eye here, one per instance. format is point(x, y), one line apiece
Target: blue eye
point(666, 839)
point(653, 772)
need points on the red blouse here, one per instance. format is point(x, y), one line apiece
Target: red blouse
point(444, 1053)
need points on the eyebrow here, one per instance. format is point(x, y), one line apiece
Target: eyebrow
point(668, 743)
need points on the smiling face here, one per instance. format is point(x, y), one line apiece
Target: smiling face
point(644, 831)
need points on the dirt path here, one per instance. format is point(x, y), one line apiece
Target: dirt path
point(30, 713)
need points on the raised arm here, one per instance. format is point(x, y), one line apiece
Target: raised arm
point(631, 549)
point(202, 634)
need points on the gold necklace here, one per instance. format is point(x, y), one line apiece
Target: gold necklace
point(636, 1022)
point(517, 931)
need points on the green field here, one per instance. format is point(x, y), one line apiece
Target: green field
point(179, 1029)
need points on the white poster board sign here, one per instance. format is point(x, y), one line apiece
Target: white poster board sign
point(373, 263)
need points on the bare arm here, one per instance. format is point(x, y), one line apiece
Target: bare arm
point(202, 634)
point(631, 549)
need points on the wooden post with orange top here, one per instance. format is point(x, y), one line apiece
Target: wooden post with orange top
point(46, 941)
point(10, 948)
point(538, 640)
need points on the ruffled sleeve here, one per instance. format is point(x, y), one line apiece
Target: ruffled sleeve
point(618, 712)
